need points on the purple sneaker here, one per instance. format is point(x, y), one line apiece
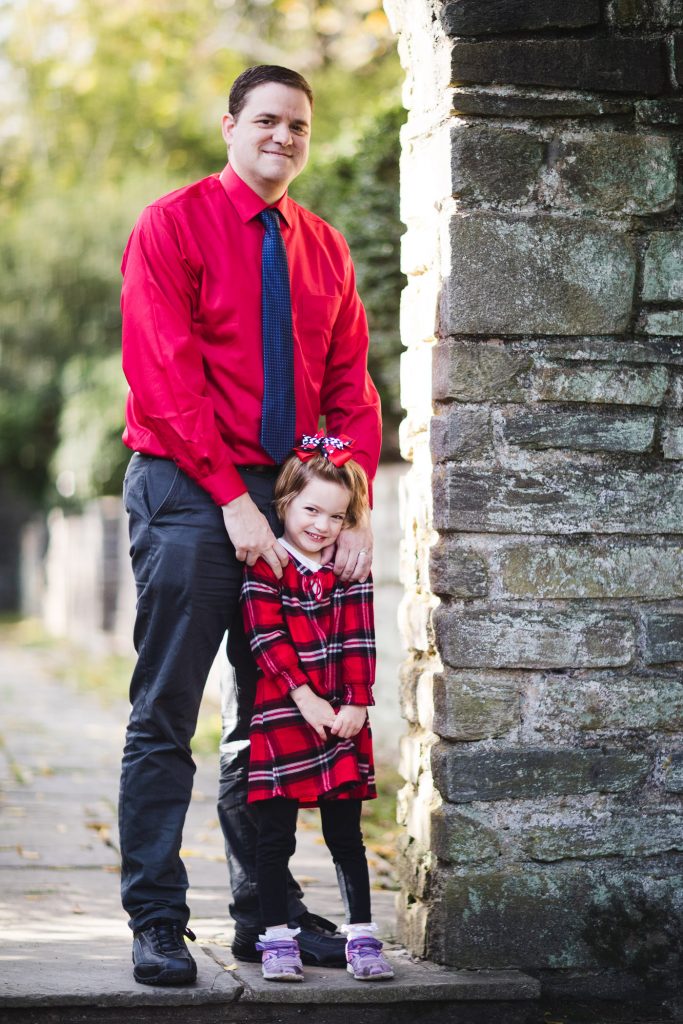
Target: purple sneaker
point(365, 960)
point(281, 960)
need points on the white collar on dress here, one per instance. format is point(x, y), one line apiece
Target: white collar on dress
point(300, 556)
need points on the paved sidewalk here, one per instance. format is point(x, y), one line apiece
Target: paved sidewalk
point(65, 942)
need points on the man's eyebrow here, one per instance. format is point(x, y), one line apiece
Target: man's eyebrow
point(297, 120)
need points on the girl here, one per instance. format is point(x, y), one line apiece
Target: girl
point(313, 639)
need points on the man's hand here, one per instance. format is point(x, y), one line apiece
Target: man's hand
point(349, 720)
point(353, 559)
point(251, 535)
point(315, 710)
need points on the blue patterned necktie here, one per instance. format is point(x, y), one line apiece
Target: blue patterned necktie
point(278, 413)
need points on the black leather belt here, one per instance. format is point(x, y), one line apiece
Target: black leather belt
point(261, 470)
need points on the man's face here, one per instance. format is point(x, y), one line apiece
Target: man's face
point(269, 140)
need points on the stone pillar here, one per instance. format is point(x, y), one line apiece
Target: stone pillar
point(543, 514)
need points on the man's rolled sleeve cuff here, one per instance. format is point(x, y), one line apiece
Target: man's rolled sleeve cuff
point(224, 485)
point(359, 693)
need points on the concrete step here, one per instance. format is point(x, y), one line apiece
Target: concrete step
point(70, 989)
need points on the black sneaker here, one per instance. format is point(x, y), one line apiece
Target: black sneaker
point(320, 944)
point(244, 946)
point(160, 956)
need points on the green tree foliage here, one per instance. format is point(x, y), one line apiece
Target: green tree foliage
point(358, 192)
point(104, 107)
point(59, 295)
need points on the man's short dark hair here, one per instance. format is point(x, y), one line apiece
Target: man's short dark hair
point(260, 74)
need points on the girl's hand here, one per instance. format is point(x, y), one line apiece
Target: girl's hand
point(316, 711)
point(349, 721)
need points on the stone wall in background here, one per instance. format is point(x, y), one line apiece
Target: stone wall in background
point(543, 513)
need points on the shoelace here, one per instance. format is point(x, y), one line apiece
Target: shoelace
point(169, 935)
point(365, 947)
point(284, 950)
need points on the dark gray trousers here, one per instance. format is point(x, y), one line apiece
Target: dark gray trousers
point(188, 583)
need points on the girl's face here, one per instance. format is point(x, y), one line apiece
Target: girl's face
point(314, 518)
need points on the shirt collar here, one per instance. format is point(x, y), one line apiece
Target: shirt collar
point(247, 202)
point(300, 556)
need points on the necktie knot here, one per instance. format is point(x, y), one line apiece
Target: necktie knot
point(270, 218)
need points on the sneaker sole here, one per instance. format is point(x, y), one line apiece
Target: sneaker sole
point(168, 978)
point(283, 977)
point(386, 976)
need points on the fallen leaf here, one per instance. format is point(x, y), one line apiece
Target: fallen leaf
point(28, 854)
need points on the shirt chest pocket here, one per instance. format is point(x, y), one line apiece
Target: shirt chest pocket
point(314, 318)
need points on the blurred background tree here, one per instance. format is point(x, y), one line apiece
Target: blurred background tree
point(105, 106)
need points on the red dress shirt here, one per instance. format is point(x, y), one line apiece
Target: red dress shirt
point(192, 348)
point(308, 627)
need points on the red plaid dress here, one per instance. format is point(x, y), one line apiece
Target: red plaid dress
point(310, 628)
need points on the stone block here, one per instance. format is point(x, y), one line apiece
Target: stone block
point(414, 615)
point(608, 702)
point(460, 839)
point(672, 441)
point(613, 64)
point(419, 308)
point(510, 101)
point(535, 276)
point(613, 172)
point(568, 499)
point(608, 385)
point(477, 705)
point(644, 14)
point(528, 638)
point(411, 921)
point(605, 835)
point(592, 569)
point(460, 433)
point(676, 397)
point(526, 773)
point(413, 867)
point(457, 570)
point(414, 807)
point(678, 57)
point(663, 640)
point(673, 772)
point(593, 917)
point(666, 351)
point(662, 270)
point(411, 671)
point(667, 322)
point(477, 371)
point(580, 430)
point(669, 111)
point(416, 379)
point(425, 176)
point(494, 166)
point(413, 756)
point(482, 17)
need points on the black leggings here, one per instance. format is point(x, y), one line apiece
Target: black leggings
point(276, 823)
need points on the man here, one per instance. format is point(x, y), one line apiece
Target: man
point(228, 364)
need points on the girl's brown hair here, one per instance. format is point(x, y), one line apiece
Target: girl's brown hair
point(295, 474)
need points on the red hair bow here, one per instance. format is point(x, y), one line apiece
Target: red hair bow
point(335, 449)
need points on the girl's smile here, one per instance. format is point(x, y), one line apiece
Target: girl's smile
point(314, 518)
